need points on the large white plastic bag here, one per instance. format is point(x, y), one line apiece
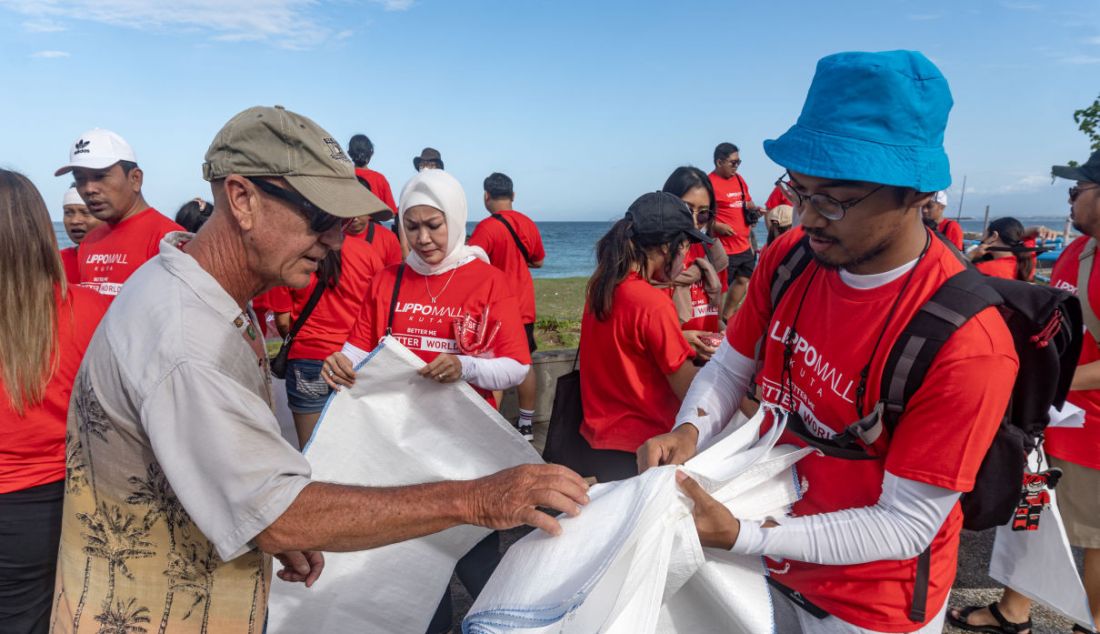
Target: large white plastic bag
point(1039, 564)
point(634, 547)
point(393, 428)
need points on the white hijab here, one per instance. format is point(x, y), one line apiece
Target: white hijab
point(438, 189)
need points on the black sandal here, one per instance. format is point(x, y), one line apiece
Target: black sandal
point(1004, 626)
point(1077, 629)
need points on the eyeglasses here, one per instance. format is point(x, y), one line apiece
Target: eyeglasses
point(319, 220)
point(827, 206)
point(702, 215)
point(732, 163)
point(1076, 191)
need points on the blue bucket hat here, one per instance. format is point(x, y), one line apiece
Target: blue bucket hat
point(874, 117)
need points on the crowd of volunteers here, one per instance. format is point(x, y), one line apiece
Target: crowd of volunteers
point(144, 478)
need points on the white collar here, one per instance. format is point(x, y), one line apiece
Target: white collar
point(875, 280)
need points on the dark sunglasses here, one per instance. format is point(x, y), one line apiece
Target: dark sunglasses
point(1076, 191)
point(319, 220)
point(703, 215)
point(734, 162)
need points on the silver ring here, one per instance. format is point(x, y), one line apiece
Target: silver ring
point(331, 373)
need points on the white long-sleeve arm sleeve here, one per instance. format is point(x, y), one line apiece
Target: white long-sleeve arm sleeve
point(716, 392)
point(900, 525)
point(500, 373)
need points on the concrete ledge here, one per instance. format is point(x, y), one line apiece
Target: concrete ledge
point(548, 365)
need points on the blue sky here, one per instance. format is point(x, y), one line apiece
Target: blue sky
point(585, 104)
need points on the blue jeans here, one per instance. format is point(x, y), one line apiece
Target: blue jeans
point(306, 391)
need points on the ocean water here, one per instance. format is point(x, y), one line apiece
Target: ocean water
point(570, 246)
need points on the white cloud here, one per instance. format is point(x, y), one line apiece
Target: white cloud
point(1080, 59)
point(49, 54)
point(923, 17)
point(285, 23)
point(42, 26)
point(395, 5)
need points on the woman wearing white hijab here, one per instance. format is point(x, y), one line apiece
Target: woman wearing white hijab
point(453, 309)
point(456, 312)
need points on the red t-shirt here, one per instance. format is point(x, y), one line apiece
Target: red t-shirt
point(999, 267)
point(491, 235)
point(32, 446)
point(384, 242)
point(941, 439)
point(777, 198)
point(71, 263)
point(730, 196)
point(110, 255)
point(703, 315)
point(625, 362)
point(327, 327)
point(427, 328)
point(379, 186)
point(1080, 445)
point(952, 231)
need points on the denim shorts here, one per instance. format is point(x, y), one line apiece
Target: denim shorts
point(306, 391)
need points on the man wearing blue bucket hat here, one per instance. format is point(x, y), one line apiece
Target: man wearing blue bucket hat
point(872, 544)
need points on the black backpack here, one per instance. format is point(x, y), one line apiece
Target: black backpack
point(1047, 333)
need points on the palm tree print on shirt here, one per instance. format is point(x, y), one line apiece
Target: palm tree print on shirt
point(91, 421)
point(192, 570)
point(154, 492)
point(122, 618)
point(116, 537)
point(74, 465)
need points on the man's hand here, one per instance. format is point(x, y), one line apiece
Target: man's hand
point(717, 527)
point(337, 371)
point(446, 368)
point(723, 229)
point(301, 566)
point(1040, 232)
point(675, 447)
point(509, 498)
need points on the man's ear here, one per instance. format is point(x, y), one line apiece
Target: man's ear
point(136, 177)
point(242, 201)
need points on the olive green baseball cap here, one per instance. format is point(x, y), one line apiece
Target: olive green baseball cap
point(263, 141)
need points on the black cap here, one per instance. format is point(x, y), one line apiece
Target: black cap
point(1090, 171)
point(659, 216)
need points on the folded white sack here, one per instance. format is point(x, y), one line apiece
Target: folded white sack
point(632, 562)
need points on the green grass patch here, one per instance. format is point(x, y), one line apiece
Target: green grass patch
point(559, 304)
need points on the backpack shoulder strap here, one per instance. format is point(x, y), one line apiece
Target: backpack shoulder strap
point(515, 236)
point(790, 267)
point(393, 298)
point(1084, 271)
point(961, 297)
point(370, 231)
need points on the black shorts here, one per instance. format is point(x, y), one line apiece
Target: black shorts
point(530, 330)
point(741, 265)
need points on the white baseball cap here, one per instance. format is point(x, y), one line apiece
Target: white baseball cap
point(97, 149)
point(941, 198)
point(72, 198)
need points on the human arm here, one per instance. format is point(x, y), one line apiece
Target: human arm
point(282, 323)
point(711, 401)
point(1086, 377)
point(342, 518)
point(900, 525)
point(723, 229)
point(680, 379)
point(535, 265)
